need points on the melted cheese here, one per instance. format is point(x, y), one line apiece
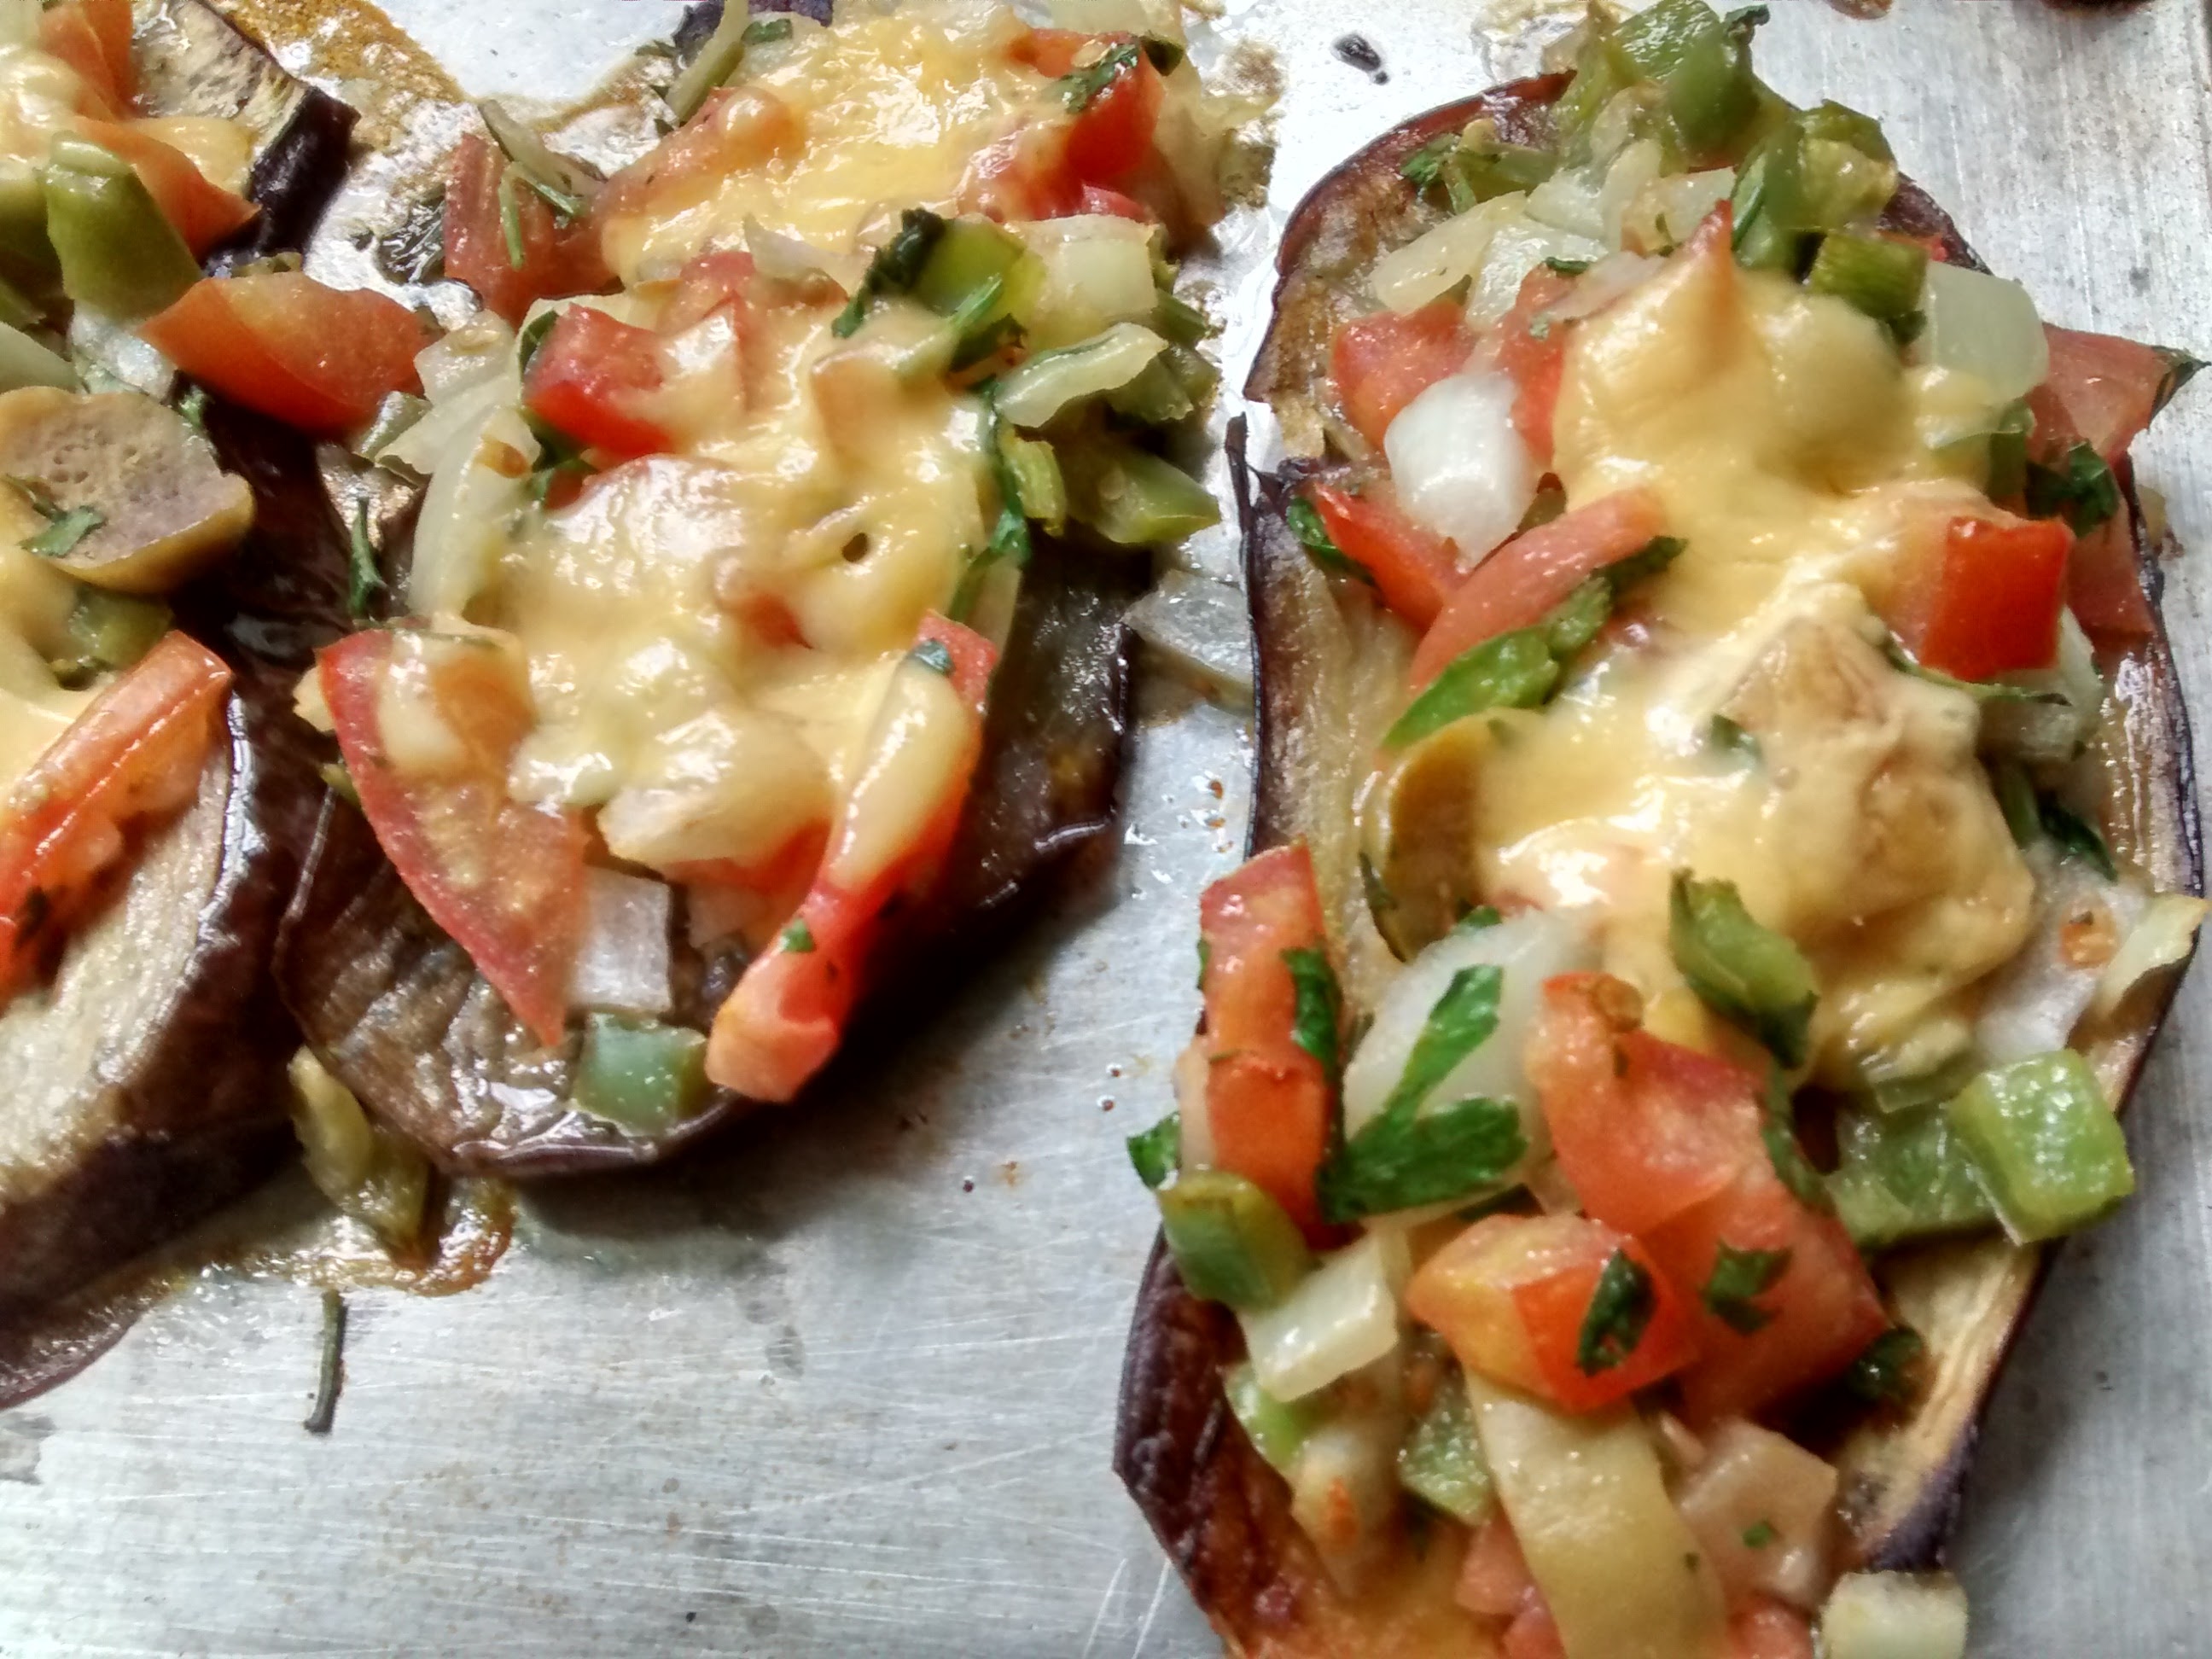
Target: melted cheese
point(881, 114)
point(1788, 445)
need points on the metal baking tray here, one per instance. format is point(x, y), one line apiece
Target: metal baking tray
point(845, 1383)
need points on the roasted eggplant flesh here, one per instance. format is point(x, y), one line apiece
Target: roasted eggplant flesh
point(1221, 1512)
point(143, 1082)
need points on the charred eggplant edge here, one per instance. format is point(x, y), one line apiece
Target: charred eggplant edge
point(1220, 1511)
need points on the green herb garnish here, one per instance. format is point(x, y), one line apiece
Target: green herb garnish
point(1305, 522)
point(2081, 489)
point(363, 576)
point(1620, 1309)
point(893, 269)
point(796, 937)
point(1317, 1027)
point(1079, 87)
point(1745, 972)
point(1156, 1151)
point(1737, 1277)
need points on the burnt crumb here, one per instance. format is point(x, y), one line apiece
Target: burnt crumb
point(1358, 50)
point(967, 1186)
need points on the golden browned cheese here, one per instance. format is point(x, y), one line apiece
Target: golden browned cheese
point(1792, 452)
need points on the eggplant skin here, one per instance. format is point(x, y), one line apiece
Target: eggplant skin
point(143, 1087)
point(399, 1013)
point(1221, 1513)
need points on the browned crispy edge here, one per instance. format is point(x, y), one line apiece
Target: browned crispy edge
point(1221, 1513)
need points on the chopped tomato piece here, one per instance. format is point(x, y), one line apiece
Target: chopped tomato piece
point(1644, 1129)
point(788, 1014)
point(1113, 133)
point(1986, 601)
point(134, 754)
point(504, 879)
point(1534, 1633)
point(92, 36)
point(735, 127)
point(1268, 1101)
point(593, 379)
point(1534, 358)
point(548, 260)
point(2104, 588)
point(203, 212)
point(1024, 175)
point(719, 280)
point(1514, 1296)
point(2108, 386)
point(1515, 585)
point(318, 358)
point(1413, 568)
point(1493, 1574)
point(1381, 362)
point(1767, 1629)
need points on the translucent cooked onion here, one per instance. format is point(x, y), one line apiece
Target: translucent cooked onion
point(622, 964)
point(1520, 246)
point(1753, 1484)
point(2032, 1004)
point(1444, 256)
point(1031, 395)
point(1344, 1316)
point(1459, 462)
point(2162, 936)
point(1982, 326)
point(1894, 1615)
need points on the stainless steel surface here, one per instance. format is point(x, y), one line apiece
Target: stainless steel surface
point(846, 1385)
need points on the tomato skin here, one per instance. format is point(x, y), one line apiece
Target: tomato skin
point(1382, 362)
point(1644, 1129)
point(1534, 1633)
point(1493, 1574)
point(588, 378)
point(92, 36)
point(317, 358)
point(1413, 568)
point(2104, 588)
point(1517, 584)
point(203, 213)
point(1535, 361)
point(504, 879)
point(135, 752)
point(787, 1013)
point(1766, 1629)
point(1986, 601)
point(2107, 385)
point(1097, 200)
point(1511, 1293)
point(555, 261)
point(1269, 1102)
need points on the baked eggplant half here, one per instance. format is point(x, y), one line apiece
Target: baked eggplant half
point(158, 798)
point(757, 637)
point(1705, 914)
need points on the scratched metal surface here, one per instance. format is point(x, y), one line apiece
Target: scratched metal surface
point(846, 1384)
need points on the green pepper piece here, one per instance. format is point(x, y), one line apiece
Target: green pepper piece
point(640, 1073)
point(1178, 321)
point(1133, 497)
point(1034, 472)
point(1276, 1428)
point(1810, 174)
point(1842, 124)
point(26, 253)
point(1602, 70)
point(1441, 1462)
point(1745, 972)
point(118, 255)
point(1232, 1242)
point(1512, 671)
point(1905, 1175)
point(1155, 398)
point(1878, 275)
point(2048, 1147)
point(1702, 65)
point(108, 631)
point(984, 280)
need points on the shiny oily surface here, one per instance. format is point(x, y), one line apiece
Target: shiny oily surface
point(845, 1383)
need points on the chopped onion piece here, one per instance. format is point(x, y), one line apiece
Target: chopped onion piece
point(1520, 246)
point(1614, 275)
point(1202, 624)
point(1664, 212)
point(1570, 200)
point(2163, 936)
point(1344, 1316)
point(1894, 1615)
point(622, 966)
point(1762, 1507)
point(1459, 462)
point(1191, 1069)
point(480, 350)
point(1983, 325)
point(2033, 1003)
point(474, 490)
point(102, 343)
point(1528, 948)
point(787, 259)
point(1636, 166)
point(1031, 395)
point(1444, 256)
point(1344, 1488)
point(1097, 269)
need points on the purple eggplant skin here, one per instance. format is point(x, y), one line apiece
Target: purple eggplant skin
point(142, 1088)
point(399, 1013)
point(1220, 1512)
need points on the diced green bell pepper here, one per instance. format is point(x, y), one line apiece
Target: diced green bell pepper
point(1905, 1175)
point(640, 1073)
point(1033, 471)
point(2049, 1149)
point(1442, 1463)
point(1276, 1428)
point(1133, 497)
point(26, 253)
point(1702, 65)
point(1879, 276)
point(1232, 1242)
point(1175, 319)
point(984, 281)
point(1811, 174)
point(1511, 670)
point(1744, 971)
point(108, 631)
point(118, 255)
